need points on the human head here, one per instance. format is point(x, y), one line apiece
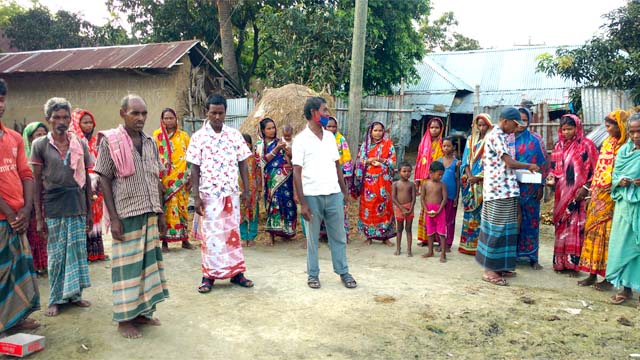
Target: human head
point(405, 170)
point(287, 132)
point(510, 119)
point(57, 111)
point(133, 110)
point(435, 126)
point(525, 117)
point(377, 131)
point(268, 128)
point(314, 108)
point(483, 123)
point(3, 95)
point(611, 125)
point(247, 139)
point(634, 130)
point(436, 170)
point(332, 125)
point(620, 117)
point(169, 119)
point(35, 130)
point(87, 123)
point(216, 111)
point(447, 146)
point(568, 126)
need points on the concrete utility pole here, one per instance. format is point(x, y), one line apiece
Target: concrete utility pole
point(357, 68)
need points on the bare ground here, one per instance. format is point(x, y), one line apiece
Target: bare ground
point(403, 308)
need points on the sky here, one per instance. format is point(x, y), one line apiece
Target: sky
point(495, 23)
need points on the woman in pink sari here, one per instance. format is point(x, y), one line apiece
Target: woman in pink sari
point(430, 150)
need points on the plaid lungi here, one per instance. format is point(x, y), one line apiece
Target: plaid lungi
point(19, 294)
point(498, 240)
point(137, 272)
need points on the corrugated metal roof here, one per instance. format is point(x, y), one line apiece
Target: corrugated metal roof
point(512, 98)
point(144, 56)
point(503, 74)
point(598, 103)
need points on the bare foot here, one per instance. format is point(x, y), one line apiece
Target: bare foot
point(438, 249)
point(428, 255)
point(128, 330)
point(304, 245)
point(271, 242)
point(368, 242)
point(52, 310)
point(250, 243)
point(82, 303)
point(448, 249)
point(409, 254)
point(143, 320)
point(165, 247)
point(443, 259)
point(573, 273)
point(388, 242)
point(536, 266)
point(245, 243)
point(27, 324)
point(590, 280)
point(348, 241)
point(187, 245)
point(603, 285)
point(397, 252)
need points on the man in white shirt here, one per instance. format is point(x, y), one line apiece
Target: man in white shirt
point(321, 190)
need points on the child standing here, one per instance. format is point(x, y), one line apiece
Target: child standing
point(404, 199)
point(249, 215)
point(451, 179)
point(434, 200)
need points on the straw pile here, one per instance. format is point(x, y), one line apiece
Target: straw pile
point(284, 105)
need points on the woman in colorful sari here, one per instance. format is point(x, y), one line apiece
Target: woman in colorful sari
point(37, 242)
point(572, 164)
point(249, 214)
point(430, 150)
point(83, 124)
point(347, 168)
point(528, 148)
point(372, 181)
point(593, 259)
point(472, 176)
point(278, 182)
point(172, 146)
point(623, 267)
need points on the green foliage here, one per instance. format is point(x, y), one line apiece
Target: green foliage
point(440, 35)
point(9, 9)
point(611, 60)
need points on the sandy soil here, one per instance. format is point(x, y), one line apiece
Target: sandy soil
point(403, 308)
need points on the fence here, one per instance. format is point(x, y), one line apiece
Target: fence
point(237, 111)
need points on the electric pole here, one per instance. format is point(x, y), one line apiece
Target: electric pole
point(357, 68)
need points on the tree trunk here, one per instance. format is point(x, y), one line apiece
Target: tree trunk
point(229, 62)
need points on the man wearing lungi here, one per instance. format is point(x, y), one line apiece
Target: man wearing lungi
point(499, 225)
point(216, 152)
point(60, 161)
point(129, 167)
point(18, 287)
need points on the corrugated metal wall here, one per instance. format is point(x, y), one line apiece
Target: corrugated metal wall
point(237, 112)
point(598, 103)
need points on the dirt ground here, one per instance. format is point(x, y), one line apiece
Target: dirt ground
point(403, 308)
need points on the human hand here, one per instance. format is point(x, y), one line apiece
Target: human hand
point(306, 212)
point(533, 168)
point(21, 220)
point(162, 225)
point(41, 228)
point(455, 202)
point(117, 229)
point(474, 180)
point(624, 182)
point(636, 182)
point(199, 205)
point(582, 193)
point(246, 199)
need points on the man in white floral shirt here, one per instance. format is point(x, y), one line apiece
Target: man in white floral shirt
point(499, 226)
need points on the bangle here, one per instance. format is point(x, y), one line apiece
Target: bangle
point(586, 187)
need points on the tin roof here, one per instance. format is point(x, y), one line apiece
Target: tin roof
point(143, 56)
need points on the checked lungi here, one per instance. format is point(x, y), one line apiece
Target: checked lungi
point(498, 238)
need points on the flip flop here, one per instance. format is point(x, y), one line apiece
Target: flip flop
point(498, 281)
point(618, 299)
point(507, 274)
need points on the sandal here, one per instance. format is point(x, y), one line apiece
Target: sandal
point(241, 281)
point(313, 282)
point(498, 281)
point(507, 274)
point(348, 281)
point(618, 299)
point(206, 285)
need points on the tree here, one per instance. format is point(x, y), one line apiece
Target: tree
point(440, 35)
point(9, 9)
point(611, 60)
point(229, 60)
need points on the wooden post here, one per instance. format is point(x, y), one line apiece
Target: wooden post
point(357, 68)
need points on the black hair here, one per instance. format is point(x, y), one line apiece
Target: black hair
point(567, 120)
point(436, 166)
point(40, 125)
point(405, 164)
point(313, 103)
point(263, 125)
point(331, 118)
point(247, 138)
point(3, 87)
point(450, 139)
point(610, 121)
point(216, 100)
point(166, 110)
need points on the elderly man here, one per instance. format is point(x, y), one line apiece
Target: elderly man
point(216, 152)
point(129, 169)
point(60, 161)
point(19, 290)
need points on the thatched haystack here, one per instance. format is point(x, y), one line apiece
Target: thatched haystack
point(284, 105)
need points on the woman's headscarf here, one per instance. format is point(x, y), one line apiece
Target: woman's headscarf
point(620, 117)
point(28, 132)
point(427, 152)
point(343, 147)
point(165, 142)
point(609, 150)
point(74, 127)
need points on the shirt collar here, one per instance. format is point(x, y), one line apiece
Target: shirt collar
point(212, 132)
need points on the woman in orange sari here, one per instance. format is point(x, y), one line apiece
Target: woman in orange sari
point(372, 181)
point(430, 150)
point(593, 259)
point(172, 146)
point(83, 124)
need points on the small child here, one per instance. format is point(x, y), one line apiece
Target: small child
point(404, 199)
point(287, 138)
point(451, 179)
point(434, 200)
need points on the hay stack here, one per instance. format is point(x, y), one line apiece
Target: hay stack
point(284, 105)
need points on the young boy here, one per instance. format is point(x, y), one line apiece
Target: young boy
point(451, 179)
point(434, 200)
point(404, 199)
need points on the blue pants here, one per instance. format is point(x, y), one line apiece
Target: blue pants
point(327, 208)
